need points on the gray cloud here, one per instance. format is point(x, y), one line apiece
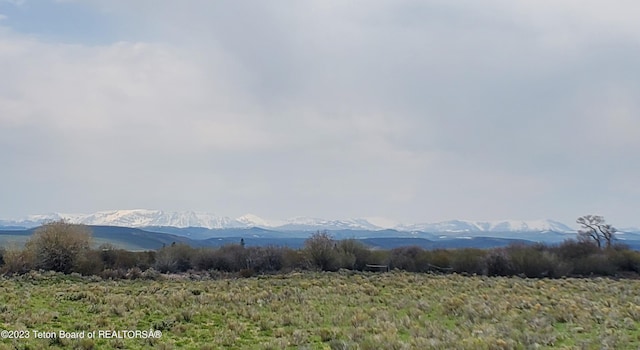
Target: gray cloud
point(410, 110)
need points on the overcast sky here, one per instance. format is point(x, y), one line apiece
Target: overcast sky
point(417, 111)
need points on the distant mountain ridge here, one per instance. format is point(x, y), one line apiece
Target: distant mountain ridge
point(140, 218)
point(490, 226)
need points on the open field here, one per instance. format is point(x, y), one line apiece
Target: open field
point(340, 310)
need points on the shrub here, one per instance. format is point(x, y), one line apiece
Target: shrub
point(405, 258)
point(57, 246)
point(204, 259)
point(89, 263)
point(246, 273)
point(535, 261)
point(378, 257)
point(440, 258)
point(586, 258)
point(497, 263)
point(293, 259)
point(468, 260)
point(228, 258)
point(322, 252)
point(624, 259)
point(353, 254)
point(572, 249)
point(174, 258)
point(134, 273)
point(114, 258)
point(346, 261)
point(151, 274)
point(232, 257)
point(17, 261)
point(111, 274)
point(594, 264)
point(272, 259)
point(260, 259)
point(127, 260)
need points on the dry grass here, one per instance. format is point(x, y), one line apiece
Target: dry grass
point(347, 310)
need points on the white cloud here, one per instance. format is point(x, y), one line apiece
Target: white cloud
point(586, 20)
point(14, 2)
point(409, 109)
point(145, 88)
point(614, 117)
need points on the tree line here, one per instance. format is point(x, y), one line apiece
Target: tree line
point(65, 247)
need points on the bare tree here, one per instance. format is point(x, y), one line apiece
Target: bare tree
point(595, 229)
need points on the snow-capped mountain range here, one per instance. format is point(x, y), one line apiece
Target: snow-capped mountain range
point(147, 218)
point(490, 226)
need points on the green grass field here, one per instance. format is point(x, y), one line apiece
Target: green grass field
point(341, 310)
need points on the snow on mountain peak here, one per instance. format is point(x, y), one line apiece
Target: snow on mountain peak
point(383, 223)
point(489, 226)
point(146, 217)
point(251, 220)
point(135, 218)
point(306, 223)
